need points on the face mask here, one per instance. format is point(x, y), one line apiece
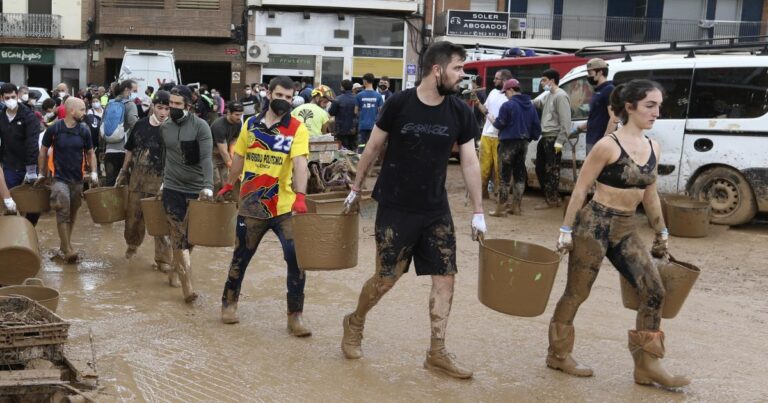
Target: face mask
point(133, 96)
point(248, 93)
point(177, 114)
point(96, 105)
point(279, 106)
point(62, 94)
point(383, 87)
point(547, 87)
point(25, 98)
point(442, 89)
point(11, 104)
point(49, 115)
point(592, 81)
point(263, 94)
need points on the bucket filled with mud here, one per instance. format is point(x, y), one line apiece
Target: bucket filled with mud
point(212, 223)
point(30, 199)
point(326, 241)
point(516, 277)
point(688, 218)
point(154, 217)
point(678, 279)
point(19, 250)
point(665, 199)
point(106, 204)
point(34, 289)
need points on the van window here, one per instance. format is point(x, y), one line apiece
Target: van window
point(580, 93)
point(729, 93)
point(525, 74)
point(676, 83)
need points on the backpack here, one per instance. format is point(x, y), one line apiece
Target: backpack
point(83, 136)
point(112, 129)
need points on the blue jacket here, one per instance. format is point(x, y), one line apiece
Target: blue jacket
point(518, 120)
point(343, 109)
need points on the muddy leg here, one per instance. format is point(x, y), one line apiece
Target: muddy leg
point(249, 232)
point(505, 152)
point(440, 301)
point(163, 253)
point(583, 266)
point(134, 224)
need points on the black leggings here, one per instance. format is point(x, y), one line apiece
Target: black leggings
point(548, 169)
point(600, 231)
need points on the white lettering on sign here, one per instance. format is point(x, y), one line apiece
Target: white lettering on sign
point(23, 56)
point(483, 25)
point(477, 16)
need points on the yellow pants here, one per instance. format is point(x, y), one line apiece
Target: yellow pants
point(489, 161)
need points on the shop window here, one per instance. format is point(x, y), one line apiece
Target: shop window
point(39, 7)
point(71, 77)
point(729, 93)
point(5, 73)
point(373, 31)
point(482, 5)
point(676, 84)
point(580, 93)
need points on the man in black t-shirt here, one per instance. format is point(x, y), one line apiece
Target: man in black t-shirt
point(413, 221)
point(225, 131)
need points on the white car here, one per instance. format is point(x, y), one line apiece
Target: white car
point(42, 95)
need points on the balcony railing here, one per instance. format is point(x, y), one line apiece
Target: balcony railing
point(16, 25)
point(625, 29)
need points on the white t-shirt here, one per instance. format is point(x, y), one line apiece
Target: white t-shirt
point(493, 103)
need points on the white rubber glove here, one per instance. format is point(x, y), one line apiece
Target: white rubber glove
point(31, 175)
point(205, 195)
point(10, 205)
point(565, 241)
point(558, 148)
point(94, 179)
point(478, 226)
point(352, 202)
point(660, 244)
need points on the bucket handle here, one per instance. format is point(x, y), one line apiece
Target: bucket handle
point(481, 241)
point(34, 281)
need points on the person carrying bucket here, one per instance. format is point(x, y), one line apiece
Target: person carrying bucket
point(187, 175)
point(413, 219)
point(144, 157)
point(623, 168)
point(70, 139)
point(271, 155)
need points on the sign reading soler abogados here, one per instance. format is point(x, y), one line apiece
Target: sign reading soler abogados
point(477, 23)
point(26, 56)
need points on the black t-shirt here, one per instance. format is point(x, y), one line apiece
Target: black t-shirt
point(223, 133)
point(145, 142)
point(70, 143)
point(420, 140)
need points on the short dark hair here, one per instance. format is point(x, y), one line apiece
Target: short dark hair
point(151, 88)
point(346, 84)
point(234, 106)
point(441, 53)
point(49, 103)
point(505, 74)
point(125, 85)
point(8, 88)
point(184, 92)
point(283, 81)
point(552, 74)
point(369, 78)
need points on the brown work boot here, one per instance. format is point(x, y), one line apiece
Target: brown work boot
point(184, 270)
point(131, 251)
point(647, 348)
point(229, 313)
point(561, 338)
point(297, 326)
point(353, 336)
point(443, 361)
point(514, 208)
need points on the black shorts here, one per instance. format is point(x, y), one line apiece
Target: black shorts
point(426, 238)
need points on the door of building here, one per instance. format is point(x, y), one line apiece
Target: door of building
point(333, 72)
point(40, 75)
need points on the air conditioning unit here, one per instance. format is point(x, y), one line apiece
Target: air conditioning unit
point(257, 52)
point(517, 24)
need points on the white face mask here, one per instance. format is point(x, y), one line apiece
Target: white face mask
point(263, 94)
point(25, 98)
point(96, 105)
point(62, 94)
point(11, 104)
point(248, 93)
point(547, 87)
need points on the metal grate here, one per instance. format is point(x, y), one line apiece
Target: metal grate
point(133, 3)
point(198, 4)
point(17, 25)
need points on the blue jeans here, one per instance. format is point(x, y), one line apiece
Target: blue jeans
point(250, 231)
point(13, 178)
point(362, 139)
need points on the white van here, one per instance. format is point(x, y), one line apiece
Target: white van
point(713, 128)
point(148, 68)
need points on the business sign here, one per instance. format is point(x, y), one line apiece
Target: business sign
point(26, 56)
point(235, 77)
point(477, 23)
point(378, 52)
point(291, 62)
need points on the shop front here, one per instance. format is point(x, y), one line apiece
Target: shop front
point(43, 67)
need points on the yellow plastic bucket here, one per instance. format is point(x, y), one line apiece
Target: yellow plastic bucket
point(678, 279)
point(212, 223)
point(106, 204)
point(19, 250)
point(34, 289)
point(30, 199)
point(326, 241)
point(154, 217)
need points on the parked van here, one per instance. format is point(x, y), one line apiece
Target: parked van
point(148, 68)
point(713, 128)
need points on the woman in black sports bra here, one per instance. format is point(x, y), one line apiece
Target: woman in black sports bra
point(622, 167)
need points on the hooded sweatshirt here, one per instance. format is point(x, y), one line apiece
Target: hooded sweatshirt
point(518, 119)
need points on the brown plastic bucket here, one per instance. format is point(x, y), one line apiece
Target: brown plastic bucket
point(688, 218)
point(678, 279)
point(34, 289)
point(326, 241)
point(154, 217)
point(333, 202)
point(212, 223)
point(19, 250)
point(516, 277)
point(30, 199)
point(665, 199)
point(106, 204)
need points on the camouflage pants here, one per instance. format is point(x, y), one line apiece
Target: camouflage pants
point(548, 169)
point(135, 229)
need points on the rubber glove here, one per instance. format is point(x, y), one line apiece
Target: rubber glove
point(660, 244)
point(31, 175)
point(558, 148)
point(225, 189)
point(300, 204)
point(10, 205)
point(121, 176)
point(478, 226)
point(565, 240)
point(352, 202)
point(205, 195)
point(94, 179)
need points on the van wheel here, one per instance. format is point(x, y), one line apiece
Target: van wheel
point(729, 194)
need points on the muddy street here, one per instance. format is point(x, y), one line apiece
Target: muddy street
point(150, 346)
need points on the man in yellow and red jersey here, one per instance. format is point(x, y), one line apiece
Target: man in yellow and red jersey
point(271, 154)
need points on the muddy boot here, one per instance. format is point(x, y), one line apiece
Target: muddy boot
point(229, 313)
point(184, 269)
point(162, 267)
point(647, 348)
point(561, 338)
point(501, 202)
point(353, 336)
point(297, 326)
point(131, 251)
point(173, 279)
point(444, 362)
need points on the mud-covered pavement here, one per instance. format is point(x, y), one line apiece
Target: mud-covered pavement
point(150, 346)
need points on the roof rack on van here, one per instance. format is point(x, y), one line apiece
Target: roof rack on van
point(708, 45)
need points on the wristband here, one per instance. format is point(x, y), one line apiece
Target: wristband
point(566, 229)
point(664, 231)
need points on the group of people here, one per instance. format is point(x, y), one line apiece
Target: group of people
point(170, 155)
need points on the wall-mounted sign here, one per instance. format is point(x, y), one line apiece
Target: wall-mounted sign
point(235, 77)
point(292, 62)
point(477, 23)
point(26, 56)
point(378, 52)
point(232, 51)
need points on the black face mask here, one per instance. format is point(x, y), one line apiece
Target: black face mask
point(279, 106)
point(443, 90)
point(592, 80)
point(176, 114)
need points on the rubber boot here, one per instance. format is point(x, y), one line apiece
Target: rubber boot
point(229, 313)
point(561, 338)
point(130, 251)
point(184, 269)
point(444, 362)
point(501, 208)
point(173, 278)
point(297, 326)
point(647, 348)
point(351, 342)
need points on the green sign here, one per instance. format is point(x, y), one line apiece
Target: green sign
point(26, 56)
point(292, 62)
